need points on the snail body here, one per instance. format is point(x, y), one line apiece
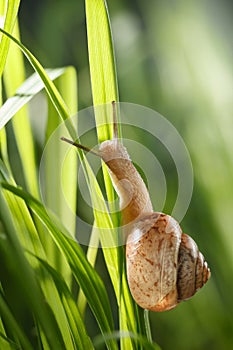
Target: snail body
point(164, 265)
point(132, 191)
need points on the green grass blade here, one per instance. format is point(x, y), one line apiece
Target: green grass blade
point(50, 90)
point(137, 340)
point(102, 218)
point(61, 184)
point(103, 221)
point(86, 276)
point(91, 257)
point(8, 13)
point(23, 222)
point(14, 262)
point(30, 240)
point(3, 147)
point(8, 10)
point(14, 75)
point(20, 339)
point(102, 63)
point(77, 327)
point(4, 340)
point(25, 93)
point(104, 90)
point(67, 86)
point(103, 80)
point(48, 84)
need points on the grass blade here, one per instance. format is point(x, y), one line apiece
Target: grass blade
point(61, 185)
point(25, 93)
point(81, 339)
point(63, 112)
point(14, 75)
point(14, 262)
point(102, 62)
point(84, 273)
point(30, 240)
point(48, 84)
point(19, 336)
point(67, 86)
point(9, 10)
point(104, 91)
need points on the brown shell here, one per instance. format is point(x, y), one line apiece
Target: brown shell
point(152, 255)
point(164, 266)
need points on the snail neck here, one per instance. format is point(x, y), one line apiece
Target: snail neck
point(134, 197)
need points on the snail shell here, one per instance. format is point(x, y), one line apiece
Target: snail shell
point(164, 266)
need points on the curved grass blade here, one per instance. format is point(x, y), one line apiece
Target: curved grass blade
point(30, 87)
point(14, 75)
point(48, 84)
point(9, 11)
point(4, 340)
point(13, 260)
point(11, 322)
point(77, 327)
point(137, 339)
point(84, 273)
point(53, 93)
point(30, 240)
point(55, 97)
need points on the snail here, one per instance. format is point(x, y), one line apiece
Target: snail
point(164, 265)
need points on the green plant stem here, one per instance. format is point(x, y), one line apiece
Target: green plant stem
point(147, 325)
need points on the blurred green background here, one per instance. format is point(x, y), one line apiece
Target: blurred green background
point(175, 57)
